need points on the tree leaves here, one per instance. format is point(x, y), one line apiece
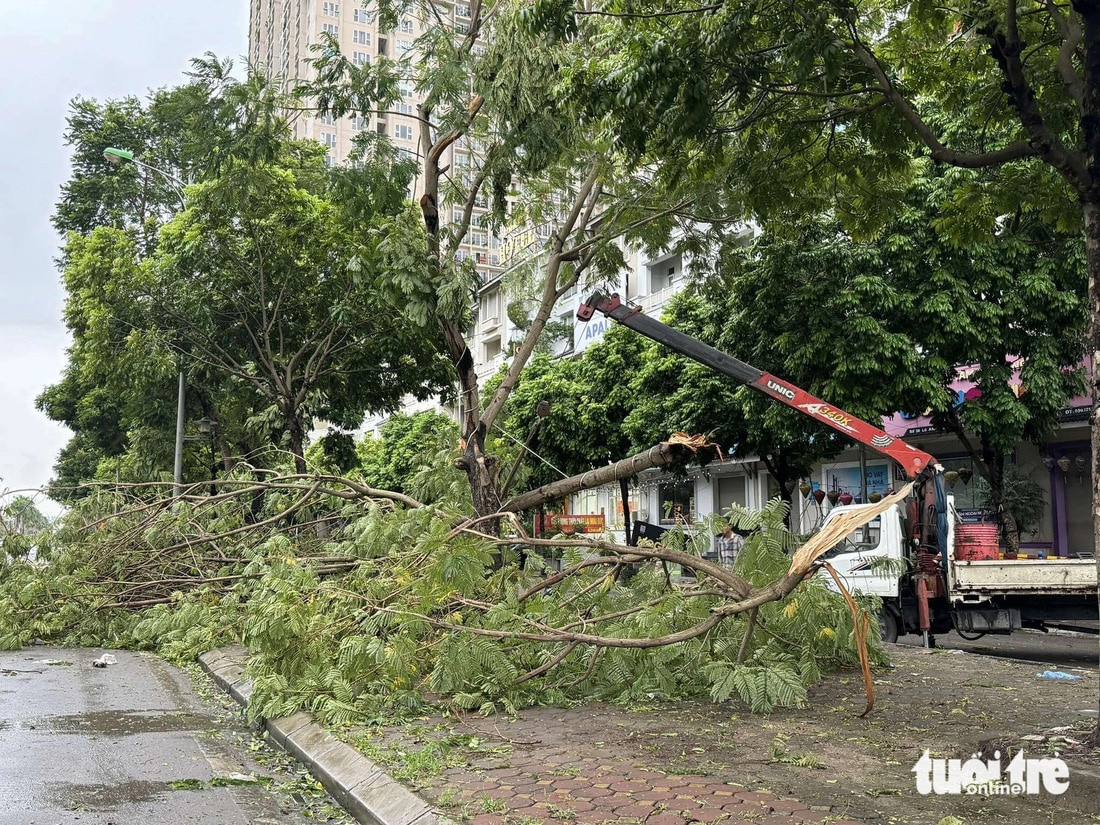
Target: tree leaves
point(395, 604)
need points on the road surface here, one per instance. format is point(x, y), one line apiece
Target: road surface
point(1056, 651)
point(125, 744)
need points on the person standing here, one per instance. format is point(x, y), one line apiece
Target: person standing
point(729, 545)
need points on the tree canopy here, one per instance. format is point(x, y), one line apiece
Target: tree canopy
point(262, 283)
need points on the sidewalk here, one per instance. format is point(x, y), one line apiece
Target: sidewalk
point(551, 785)
point(590, 765)
point(549, 766)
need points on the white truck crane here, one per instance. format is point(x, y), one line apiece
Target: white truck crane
point(928, 579)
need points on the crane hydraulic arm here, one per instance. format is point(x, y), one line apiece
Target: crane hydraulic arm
point(912, 461)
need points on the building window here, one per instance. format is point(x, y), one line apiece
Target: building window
point(328, 119)
point(462, 28)
point(363, 16)
point(492, 348)
point(361, 37)
point(329, 139)
point(404, 108)
point(382, 45)
point(403, 132)
point(331, 28)
point(663, 274)
point(677, 503)
point(490, 309)
point(405, 27)
point(331, 9)
point(565, 345)
point(404, 46)
point(360, 123)
point(462, 11)
point(360, 58)
point(478, 238)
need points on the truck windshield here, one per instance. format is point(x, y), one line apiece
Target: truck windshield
point(863, 540)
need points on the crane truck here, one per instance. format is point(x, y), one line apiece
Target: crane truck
point(943, 587)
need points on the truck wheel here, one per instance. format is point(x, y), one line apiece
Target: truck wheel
point(887, 625)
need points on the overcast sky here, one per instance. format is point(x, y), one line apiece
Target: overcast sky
point(50, 52)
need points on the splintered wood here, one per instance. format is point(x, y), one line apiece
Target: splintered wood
point(839, 527)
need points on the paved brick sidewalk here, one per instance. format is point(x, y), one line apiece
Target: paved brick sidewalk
point(558, 771)
point(619, 794)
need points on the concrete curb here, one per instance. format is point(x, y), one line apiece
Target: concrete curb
point(363, 789)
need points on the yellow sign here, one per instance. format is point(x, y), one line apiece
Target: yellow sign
point(515, 243)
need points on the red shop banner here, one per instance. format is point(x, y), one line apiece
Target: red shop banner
point(555, 523)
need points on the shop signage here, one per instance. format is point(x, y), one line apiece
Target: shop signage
point(555, 523)
point(975, 515)
point(909, 424)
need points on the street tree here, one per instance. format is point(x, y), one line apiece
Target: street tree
point(268, 280)
point(21, 515)
point(121, 419)
point(882, 325)
point(263, 296)
point(794, 108)
point(527, 159)
point(404, 445)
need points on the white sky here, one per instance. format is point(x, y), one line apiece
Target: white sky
point(50, 52)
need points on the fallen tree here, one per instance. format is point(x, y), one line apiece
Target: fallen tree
point(403, 602)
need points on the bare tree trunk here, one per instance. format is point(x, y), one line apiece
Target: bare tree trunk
point(297, 442)
point(658, 456)
point(1089, 192)
point(780, 472)
point(995, 464)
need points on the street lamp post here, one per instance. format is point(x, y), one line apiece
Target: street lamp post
point(116, 157)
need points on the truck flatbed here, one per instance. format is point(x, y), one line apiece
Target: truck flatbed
point(971, 580)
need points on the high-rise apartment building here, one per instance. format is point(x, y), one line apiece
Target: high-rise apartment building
point(281, 34)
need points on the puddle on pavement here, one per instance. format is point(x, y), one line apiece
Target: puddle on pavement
point(120, 722)
point(76, 797)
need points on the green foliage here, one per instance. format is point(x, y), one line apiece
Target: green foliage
point(20, 515)
point(393, 607)
point(263, 281)
point(1021, 494)
point(394, 459)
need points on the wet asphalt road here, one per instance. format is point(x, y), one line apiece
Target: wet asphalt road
point(1054, 651)
point(102, 746)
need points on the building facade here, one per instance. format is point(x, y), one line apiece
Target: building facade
point(1057, 473)
point(282, 37)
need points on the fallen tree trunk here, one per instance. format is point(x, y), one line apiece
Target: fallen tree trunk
point(660, 455)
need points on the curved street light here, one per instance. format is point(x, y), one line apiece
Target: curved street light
point(116, 157)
